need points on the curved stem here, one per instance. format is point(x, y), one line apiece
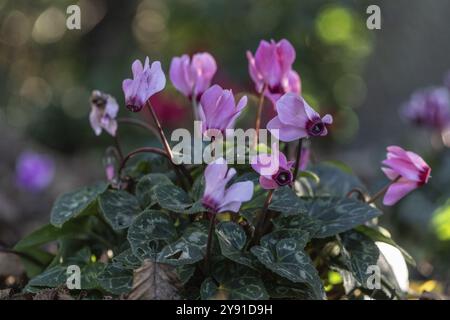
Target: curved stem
point(262, 219)
point(361, 194)
point(138, 151)
point(382, 191)
point(209, 243)
point(139, 123)
point(160, 130)
point(118, 147)
point(195, 108)
point(258, 115)
point(298, 158)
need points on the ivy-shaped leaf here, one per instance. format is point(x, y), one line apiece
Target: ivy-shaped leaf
point(287, 202)
point(237, 288)
point(189, 248)
point(173, 198)
point(127, 260)
point(334, 181)
point(290, 261)
point(232, 239)
point(360, 253)
point(115, 279)
point(185, 272)
point(337, 215)
point(300, 222)
point(149, 233)
point(119, 208)
point(146, 185)
point(75, 203)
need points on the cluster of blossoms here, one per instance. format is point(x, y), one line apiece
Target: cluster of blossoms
point(271, 71)
point(430, 107)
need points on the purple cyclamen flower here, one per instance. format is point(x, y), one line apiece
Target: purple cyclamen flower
point(430, 108)
point(274, 169)
point(104, 109)
point(271, 67)
point(146, 82)
point(192, 77)
point(304, 158)
point(218, 110)
point(296, 119)
point(34, 171)
point(407, 169)
point(217, 197)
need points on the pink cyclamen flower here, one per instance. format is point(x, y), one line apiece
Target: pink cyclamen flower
point(274, 169)
point(34, 171)
point(430, 108)
point(104, 109)
point(217, 197)
point(407, 170)
point(296, 119)
point(271, 67)
point(218, 110)
point(146, 82)
point(304, 158)
point(192, 77)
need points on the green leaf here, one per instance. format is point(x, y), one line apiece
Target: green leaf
point(379, 235)
point(119, 208)
point(310, 175)
point(360, 253)
point(287, 202)
point(337, 215)
point(75, 203)
point(271, 240)
point(300, 222)
point(238, 288)
point(290, 261)
point(116, 280)
point(334, 181)
point(189, 248)
point(46, 234)
point(185, 272)
point(232, 239)
point(280, 288)
point(126, 260)
point(149, 233)
point(146, 185)
point(173, 198)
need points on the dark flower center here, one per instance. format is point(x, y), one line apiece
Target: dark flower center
point(209, 203)
point(315, 127)
point(276, 89)
point(282, 177)
point(134, 108)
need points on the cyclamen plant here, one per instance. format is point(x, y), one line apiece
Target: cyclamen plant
point(160, 230)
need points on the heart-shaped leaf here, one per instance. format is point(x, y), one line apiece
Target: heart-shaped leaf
point(119, 208)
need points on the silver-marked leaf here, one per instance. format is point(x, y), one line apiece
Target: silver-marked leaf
point(337, 215)
point(149, 233)
point(236, 288)
point(119, 208)
point(173, 198)
point(300, 222)
point(271, 240)
point(76, 203)
point(334, 181)
point(146, 185)
point(126, 260)
point(116, 280)
point(189, 248)
point(185, 272)
point(360, 253)
point(290, 261)
point(232, 239)
point(287, 202)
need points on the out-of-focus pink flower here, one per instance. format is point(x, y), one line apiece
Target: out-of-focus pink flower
point(170, 111)
point(217, 197)
point(296, 119)
point(146, 82)
point(218, 110)
point(304, 158)
point(430, 108)
point(192, 77)
point(274, 169)
point(271, 67)
point(110, 172)
point(408, 171)
point(34, 171)
point(104, 109)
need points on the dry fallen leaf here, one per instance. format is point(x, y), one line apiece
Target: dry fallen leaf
point(155, 281)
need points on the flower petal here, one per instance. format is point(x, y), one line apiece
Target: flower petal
point(291, 110)
point(235, 195)
point(267, 183)
point(285, 132)
point(397, 191)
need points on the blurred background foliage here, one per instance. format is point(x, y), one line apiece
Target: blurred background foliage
point(362, 77)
